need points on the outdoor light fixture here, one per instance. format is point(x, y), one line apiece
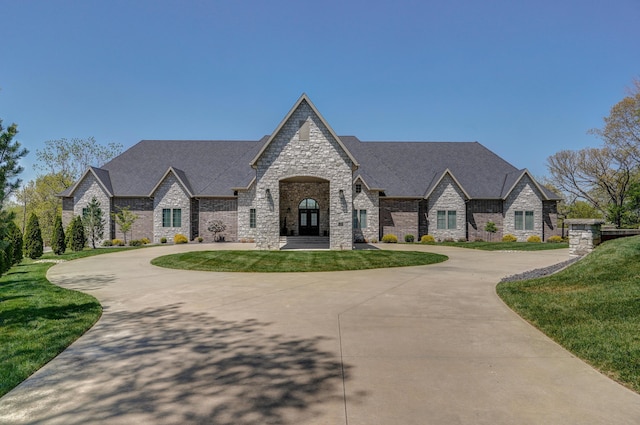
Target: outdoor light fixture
point(268, 192)
point(341, 192)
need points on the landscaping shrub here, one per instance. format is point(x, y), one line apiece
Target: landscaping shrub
point(163, 240)
point(199, 239)
point(534, 239)
point(427, 239)
point(117, 242)
point(58, 242)
point(33, 245)
point(509, 238)
point(145, 241)
point(409, 238)
point(77, 239)
point(135, 242)
point(107, 242)
point(15, 237)
point(180, 238)
point(554, 239)
point(390, 239)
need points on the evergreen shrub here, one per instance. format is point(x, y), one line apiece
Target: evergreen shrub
point(427, 239)
point(180, 238)
point(509, 238)
point(390, 239)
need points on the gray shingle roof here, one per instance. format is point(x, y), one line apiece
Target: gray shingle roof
point(401, 169)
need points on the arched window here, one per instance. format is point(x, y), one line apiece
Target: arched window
point(308, 204)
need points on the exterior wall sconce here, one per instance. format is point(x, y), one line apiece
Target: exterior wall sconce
point(268, 192)
point(341, 192)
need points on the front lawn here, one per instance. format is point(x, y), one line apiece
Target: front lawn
point(591, 308)
point(39, 320)
point(507, 246)
point(295, 261)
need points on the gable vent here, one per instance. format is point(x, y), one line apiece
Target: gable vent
point(303, 134)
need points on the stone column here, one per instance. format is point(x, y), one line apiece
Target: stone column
point(584, 235)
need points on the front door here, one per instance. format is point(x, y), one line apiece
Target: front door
point(308, 218)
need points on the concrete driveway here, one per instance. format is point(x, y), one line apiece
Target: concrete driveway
point(417, 345)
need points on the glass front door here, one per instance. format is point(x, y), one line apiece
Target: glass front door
point(308, 218)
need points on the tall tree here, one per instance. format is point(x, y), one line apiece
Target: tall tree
point(124, 218)
point(33, 246)
point(94, 221)
point(76, 238)
point(14, 235)
point(58, 243)
point(68, 159)
point(10, 155)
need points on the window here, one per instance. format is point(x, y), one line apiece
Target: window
point(359, 219)
point(177, 217)
point(252, 218)
point(358, 188)
point(171, 218)
point(446, 219)
point(166, 217)
point(523, 220)
point(85, 212)
point(308, 204)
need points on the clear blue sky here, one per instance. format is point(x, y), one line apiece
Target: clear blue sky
point(524, 78)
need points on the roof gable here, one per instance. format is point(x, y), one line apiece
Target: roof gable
point(101, 176)
point(513, 179)
point(179, 175)
point(303, 99)
point(436, 183)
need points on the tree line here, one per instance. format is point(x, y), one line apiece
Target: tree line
point(604, 181)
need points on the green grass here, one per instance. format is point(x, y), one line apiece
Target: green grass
point(592, 308)
point(506, 246)
point(39, 320)
point(295, 261)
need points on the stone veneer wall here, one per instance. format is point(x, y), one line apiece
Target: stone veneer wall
point(447, 196)
point(292, 193)
point(399, 217)
point(170, 194)
point(369, 201)
point(524, 197)
point(246, 201)
point(86, 190)
point(289, 155)
point(143, 226)
point(225, 210)
point(584, 235)
point(479, 213)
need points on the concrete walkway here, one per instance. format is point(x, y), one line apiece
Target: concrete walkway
point(417, 345)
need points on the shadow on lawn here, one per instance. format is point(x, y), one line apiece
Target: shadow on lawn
point(165, 366)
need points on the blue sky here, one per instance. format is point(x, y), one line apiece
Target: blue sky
point(524, 78)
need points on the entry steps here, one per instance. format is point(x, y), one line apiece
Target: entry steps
point(304, 242)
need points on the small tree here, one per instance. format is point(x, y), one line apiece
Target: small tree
point(216, 226)
point(124, 218)
point(76, 237)
point(33, 245)
point(14, 235)
point(94, 221)
point(491, 228)
point(58, 242)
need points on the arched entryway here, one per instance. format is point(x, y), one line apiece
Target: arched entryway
point(304, 206)
point(308, 218)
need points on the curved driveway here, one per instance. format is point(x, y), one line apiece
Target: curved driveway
point(417, 345)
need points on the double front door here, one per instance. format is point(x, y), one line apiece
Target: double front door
point(308, 222)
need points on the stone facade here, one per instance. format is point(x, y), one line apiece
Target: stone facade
point(447, 196)
point(246, 201)
point(317, 156)
point(370, 202)
point(85, 191)
point(291, 194)
point(171, 195)
point(524, 197)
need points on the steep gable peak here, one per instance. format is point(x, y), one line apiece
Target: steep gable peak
point(304, 99)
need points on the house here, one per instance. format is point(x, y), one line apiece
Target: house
point(304, 179)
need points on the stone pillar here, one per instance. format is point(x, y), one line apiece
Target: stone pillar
point(584, 235)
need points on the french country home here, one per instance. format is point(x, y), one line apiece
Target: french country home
point(305, 180)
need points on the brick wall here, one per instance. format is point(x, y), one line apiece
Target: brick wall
point(550, 219)
point(399, 217)
point(479, 213)
point(292, 193)
point(143, 226)
point(224, 209)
